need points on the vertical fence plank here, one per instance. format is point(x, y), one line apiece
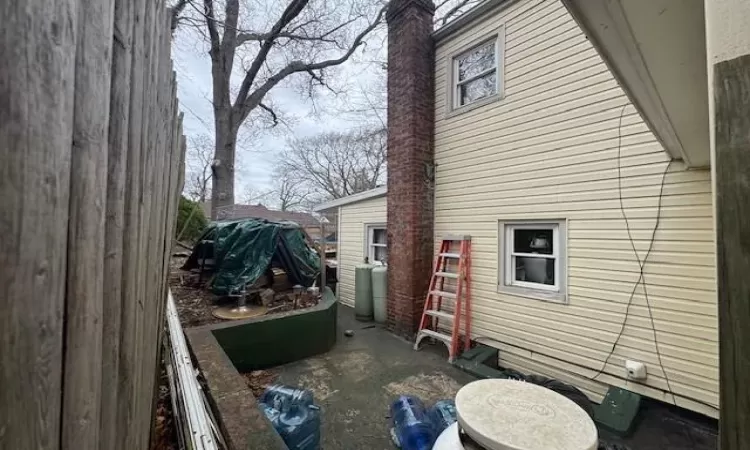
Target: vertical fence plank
point(155, 206)
point(128, 358)
point(83, 306)
point(115, 218)
point(143, 396)
point(166, 225)
point(37, 53)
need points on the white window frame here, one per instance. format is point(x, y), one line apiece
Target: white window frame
point(370, 245)
point(507, 260)
point(453, 88)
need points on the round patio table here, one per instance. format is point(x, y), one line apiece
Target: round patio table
point(500, 414)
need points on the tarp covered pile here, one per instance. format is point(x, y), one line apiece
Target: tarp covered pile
point(243, 250)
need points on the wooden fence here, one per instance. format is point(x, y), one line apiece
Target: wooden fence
point(91, 170)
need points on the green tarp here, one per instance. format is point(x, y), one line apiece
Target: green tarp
point(244, 249)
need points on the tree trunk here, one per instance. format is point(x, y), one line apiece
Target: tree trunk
point(222, 192)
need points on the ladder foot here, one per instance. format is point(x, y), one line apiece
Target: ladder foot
point(439, 337)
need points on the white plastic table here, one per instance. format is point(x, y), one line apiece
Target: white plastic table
point(513, 415)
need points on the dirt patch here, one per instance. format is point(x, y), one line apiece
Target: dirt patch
point(165, 432)
point(355, 365)
point(430, 388)
point(259, 380)
point(195, 303)
point(319, 379)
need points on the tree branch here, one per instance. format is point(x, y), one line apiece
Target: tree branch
point(271, 112)
point(453, 11)
point(252, 100)
point(231, 16)
point(244, 37)
point(208, 7)
point(293, 10)
point(175, 14)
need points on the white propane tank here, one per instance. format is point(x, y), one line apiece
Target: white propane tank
point(379, 293)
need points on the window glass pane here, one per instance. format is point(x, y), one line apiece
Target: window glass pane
point(378, 236)
point(535, 270)
point(532, 241)
point(476, 61)
point(479, 88)
point(380, 253)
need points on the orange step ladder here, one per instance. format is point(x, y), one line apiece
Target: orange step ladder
point(459, 297)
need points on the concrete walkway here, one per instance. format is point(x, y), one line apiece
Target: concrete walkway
point(355, 382)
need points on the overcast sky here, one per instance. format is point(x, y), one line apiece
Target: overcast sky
point(327, 112)
point(359, 82)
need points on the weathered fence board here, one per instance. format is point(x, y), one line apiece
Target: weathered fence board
point(37, 54)
point(91, 171)
point(126, 381)
point(119, 115)
point(88, 195)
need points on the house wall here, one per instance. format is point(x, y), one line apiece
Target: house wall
point(353, 219)
point(548, 150)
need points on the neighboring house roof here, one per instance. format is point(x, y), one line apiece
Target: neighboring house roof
point(349, 199)
point(261, 212)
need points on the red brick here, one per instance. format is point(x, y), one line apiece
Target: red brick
point(411, 113)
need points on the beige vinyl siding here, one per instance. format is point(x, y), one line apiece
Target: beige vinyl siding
point(548, 150)
point(353, 219)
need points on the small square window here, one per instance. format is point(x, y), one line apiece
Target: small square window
point(377, 245)
point(476, 73)
point(532, 259)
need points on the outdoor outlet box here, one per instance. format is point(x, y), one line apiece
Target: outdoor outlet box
point(636, 370)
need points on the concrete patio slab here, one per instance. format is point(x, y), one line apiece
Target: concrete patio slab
point(356, 381)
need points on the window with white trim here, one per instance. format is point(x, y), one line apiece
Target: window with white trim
point(377, 245)
point(477, 74)
point(533, 258)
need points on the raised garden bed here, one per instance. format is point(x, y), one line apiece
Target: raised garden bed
point(225, 351)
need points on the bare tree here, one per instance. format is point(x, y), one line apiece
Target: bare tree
point(334, 165)
point(198, 177)
point(291, 194)
point(365, 100)
point(248, 43)
point(447, 10)
point(251, 195)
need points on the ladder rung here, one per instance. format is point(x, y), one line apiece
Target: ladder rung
point(439, 314)
point(443, 294)
point(450, 255)
point(435, 335)
point(446, 274)
point(460, 237)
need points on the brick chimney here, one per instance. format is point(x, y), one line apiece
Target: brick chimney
point(411, 125)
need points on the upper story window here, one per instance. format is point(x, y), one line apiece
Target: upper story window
point(477, 73)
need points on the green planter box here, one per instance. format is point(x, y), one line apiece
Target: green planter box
point(268, 341)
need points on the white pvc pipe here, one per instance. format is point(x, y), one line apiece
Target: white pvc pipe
point(200, 429)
